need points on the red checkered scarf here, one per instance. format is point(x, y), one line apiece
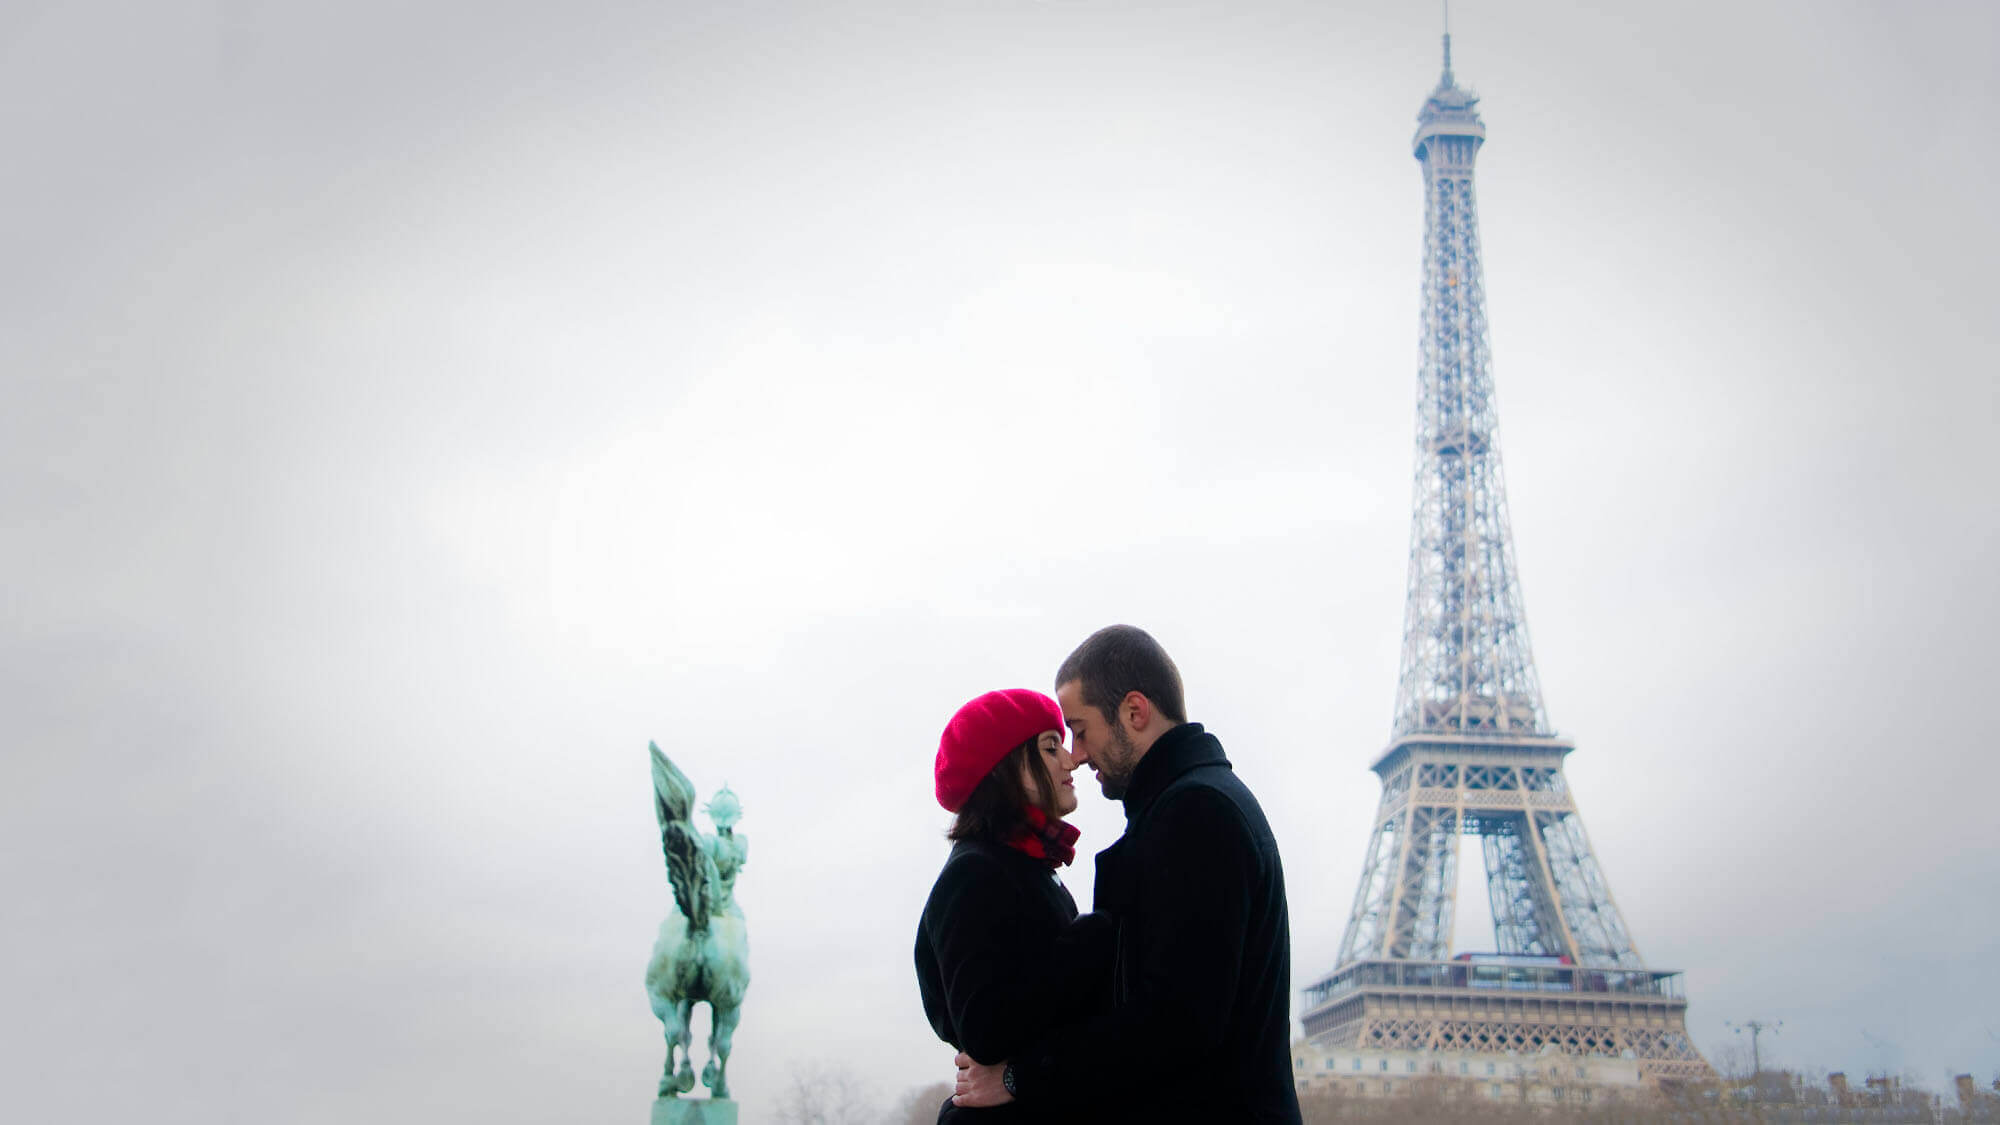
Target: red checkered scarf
point(1052, 843)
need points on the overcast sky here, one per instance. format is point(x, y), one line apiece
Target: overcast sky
point(413, 409)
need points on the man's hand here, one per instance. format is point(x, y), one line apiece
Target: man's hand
point(978, 1084)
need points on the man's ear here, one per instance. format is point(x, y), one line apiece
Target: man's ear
point(1136, 710)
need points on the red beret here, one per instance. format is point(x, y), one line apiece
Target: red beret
point(982, 733)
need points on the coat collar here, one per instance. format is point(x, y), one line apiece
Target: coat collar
point(1176, 752)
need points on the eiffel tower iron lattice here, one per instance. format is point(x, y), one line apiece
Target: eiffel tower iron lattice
point(1472, 752)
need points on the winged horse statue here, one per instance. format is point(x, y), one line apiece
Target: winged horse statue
point(703, 952)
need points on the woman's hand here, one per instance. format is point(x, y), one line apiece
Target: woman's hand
point(978, 1084)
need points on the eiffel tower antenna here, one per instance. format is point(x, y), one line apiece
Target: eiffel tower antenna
point(1471, 749)
point(1447, 42)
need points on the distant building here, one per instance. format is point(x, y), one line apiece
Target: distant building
point(1546, 1079)
point(1975, 1104)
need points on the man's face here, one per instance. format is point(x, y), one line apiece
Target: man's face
point(1097, 742)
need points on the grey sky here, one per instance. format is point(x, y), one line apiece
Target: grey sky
point(411, 412)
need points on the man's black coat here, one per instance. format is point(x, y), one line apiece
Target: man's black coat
point(1199, 1028)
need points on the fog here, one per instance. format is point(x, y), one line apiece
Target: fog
point(411, 411)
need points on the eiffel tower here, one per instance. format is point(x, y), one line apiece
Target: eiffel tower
point(1472, 752)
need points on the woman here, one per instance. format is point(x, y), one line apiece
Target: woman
point(1001, 956)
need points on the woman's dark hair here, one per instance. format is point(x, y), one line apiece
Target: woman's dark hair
point(999, 803)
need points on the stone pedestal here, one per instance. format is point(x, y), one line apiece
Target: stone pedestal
point(694, 1111)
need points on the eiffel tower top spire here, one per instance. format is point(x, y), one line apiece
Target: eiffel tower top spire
point(1449, 110)
point(1467, 669)
point(1445, 83)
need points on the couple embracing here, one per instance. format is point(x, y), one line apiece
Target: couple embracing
point(1169, 1001)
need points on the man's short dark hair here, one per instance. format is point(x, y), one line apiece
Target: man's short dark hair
point(1120, 659)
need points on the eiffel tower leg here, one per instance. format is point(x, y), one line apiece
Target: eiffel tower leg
point(1371, 899)
point(1426, 886)
point(1513, 919)
point(1556, 935)
point(1590, 914)
point(1524, 908)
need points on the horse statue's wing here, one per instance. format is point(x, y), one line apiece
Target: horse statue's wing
point(688, 865)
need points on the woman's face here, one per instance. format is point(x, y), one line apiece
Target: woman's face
point(1060, 766)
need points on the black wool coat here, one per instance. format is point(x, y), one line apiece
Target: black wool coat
point(1002, 958)
point(1199, 1025)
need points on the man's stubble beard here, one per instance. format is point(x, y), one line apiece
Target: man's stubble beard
point(1118, 777)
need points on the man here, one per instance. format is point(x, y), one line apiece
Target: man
point(1199, 1026)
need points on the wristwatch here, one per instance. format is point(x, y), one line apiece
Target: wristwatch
point(1007, 1080)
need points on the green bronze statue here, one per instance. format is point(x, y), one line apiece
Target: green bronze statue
point(703, 953)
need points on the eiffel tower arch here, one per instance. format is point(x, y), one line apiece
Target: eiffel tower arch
point(1472, 752)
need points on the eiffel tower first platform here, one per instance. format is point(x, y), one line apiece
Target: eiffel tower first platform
point(1472, 752)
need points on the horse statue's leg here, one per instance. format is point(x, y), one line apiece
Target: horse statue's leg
point(677, 1033)
point(683, 1079)
point(716, 1074)
point(664, 975)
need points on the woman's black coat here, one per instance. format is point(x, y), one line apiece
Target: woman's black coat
point(1002, 958)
